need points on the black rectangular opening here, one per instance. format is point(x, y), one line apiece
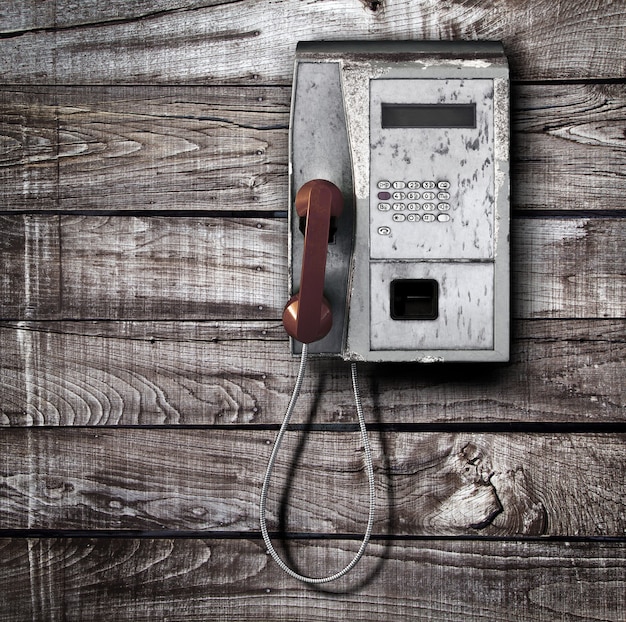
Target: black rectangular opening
point(414, 299)
point(428, 115)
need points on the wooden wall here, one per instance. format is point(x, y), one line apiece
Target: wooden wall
point(144, 371)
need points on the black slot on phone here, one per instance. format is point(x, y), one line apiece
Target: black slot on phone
point(414, 299)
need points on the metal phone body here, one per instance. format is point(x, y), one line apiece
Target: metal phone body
point(416, 136)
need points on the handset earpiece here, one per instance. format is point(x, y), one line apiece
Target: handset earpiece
point(307, 316)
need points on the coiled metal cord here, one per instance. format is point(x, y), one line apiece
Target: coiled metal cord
point(270, 466)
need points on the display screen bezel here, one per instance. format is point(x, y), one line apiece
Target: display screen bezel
point(424, 116)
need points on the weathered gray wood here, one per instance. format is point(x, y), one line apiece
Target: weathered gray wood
point(169, 373)
point(208, 268)
point(429, 483)
point(225, 148)
point(244, 42)
point(144, 148)
point(225, 580)
point(26, 15)
point(568, 146)
point(187, 330)
point(576, 255)
point(148, 267)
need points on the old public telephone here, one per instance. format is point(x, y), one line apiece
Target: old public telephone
point(399, 211)
point(415, 137)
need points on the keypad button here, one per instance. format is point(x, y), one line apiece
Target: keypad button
point(413, 196)
point(399, 217)
point(413, 206)
point(399, 196)
point(384, 207)
point(429, 185)
point(443, 217)
point(428, 206)
point(428, 217)
point(398, 185)
point(444, 207)
point(413, 185)
point(443, 185)
point(413, 217)
point(384, 184)
point(443, 196)
point(428, 196)
point(384, 231)
point(398, 207)
point(384, 196)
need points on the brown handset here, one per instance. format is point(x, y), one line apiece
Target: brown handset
point(307, 316)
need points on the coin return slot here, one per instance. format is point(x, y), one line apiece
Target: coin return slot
point(414, 299)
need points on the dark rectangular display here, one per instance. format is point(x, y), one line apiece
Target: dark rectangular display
point(428, 115)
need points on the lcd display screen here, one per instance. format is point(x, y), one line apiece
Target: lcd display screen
point(428, 115)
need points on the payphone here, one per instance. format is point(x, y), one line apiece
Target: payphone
point(399, 206)
point(415, 135)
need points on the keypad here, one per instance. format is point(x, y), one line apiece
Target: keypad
point(425, 201)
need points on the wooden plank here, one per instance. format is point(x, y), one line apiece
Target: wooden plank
point(435, 484)
point(225, 580)
point(30, 257)
point(577, 254)
point(222, 373)
point(147, 267)
point(243, 43)
point(25, 15)
point(144, 148)
point(225, 148)
point(30, 144)
point(561, 133)
point(196, 268)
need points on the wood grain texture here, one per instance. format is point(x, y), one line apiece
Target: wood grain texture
point(568, 146)
point(224, 580)
point(145, 267)
point(214, 268)
point(144, 148)
point(225, 148)
point(243, 42)
point(221, 373)
point(133, 304)
point(432, 483)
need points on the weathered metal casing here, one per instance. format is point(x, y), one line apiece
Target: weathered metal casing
point(410, 115)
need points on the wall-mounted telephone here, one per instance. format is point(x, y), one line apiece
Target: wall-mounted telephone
point(415, 136)
point(399, 212)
